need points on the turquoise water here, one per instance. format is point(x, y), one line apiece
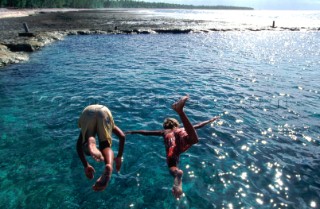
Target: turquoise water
point(263, 153)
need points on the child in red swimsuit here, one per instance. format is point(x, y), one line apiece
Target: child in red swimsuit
point(177, 140)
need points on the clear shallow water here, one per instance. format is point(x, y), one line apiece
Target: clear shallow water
point(263, 153)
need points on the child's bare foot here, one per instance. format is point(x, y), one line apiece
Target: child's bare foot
point(94, 151)
point(178, 106)
point(104, 179)
point(177, 186)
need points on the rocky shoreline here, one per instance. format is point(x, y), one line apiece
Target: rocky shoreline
point(49, 26)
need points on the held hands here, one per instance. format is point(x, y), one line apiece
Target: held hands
point(118, 161)
point(89, 171)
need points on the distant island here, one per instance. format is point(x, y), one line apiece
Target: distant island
point(106, 4)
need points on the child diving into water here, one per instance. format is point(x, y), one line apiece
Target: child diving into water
point(98, 120)
point(177, 140)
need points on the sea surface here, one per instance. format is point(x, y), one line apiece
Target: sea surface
point(238, 19)
point(264, 152)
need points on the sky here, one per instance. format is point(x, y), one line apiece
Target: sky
point(256, 4)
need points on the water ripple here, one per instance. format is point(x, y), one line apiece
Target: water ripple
point(262, 153)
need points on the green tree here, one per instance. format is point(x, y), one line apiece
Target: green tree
point(3, 3)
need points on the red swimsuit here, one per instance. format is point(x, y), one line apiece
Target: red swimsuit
point(176, 142)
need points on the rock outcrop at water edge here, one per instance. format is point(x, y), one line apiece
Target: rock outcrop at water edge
point(9, 57)
point(16, 50)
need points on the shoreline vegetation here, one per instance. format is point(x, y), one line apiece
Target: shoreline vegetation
point(107, 4)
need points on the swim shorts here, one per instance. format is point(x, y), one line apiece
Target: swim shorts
point(96, 120)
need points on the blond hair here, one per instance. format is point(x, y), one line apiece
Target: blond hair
point(170, 123)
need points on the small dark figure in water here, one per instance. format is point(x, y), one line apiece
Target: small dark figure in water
point(97, 120)
point(177, 140)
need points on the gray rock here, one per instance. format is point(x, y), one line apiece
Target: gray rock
point(8, 57)
point(14, 51)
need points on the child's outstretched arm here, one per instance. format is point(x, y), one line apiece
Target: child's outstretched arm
point(147, 133)
point(118, 132)
point(88, 169)
point(80, 151)
point(200, 125)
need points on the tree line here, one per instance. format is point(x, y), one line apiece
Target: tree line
point(142, 4)
point(52, 3)
point(102, 4)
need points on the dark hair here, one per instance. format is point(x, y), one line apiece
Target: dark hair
point(170, 123)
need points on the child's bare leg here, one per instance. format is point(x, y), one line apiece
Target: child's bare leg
point(94, 151)
point(178, 107)
point(177, 184)
point(104, 179)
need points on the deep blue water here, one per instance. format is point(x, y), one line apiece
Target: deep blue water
point(263, 153)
